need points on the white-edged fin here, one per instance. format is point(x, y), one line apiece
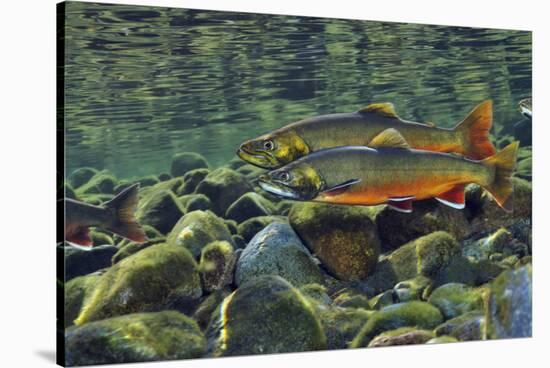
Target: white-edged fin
point(458, 206)
point(404, 206)
point(401, 199)
point(78, 246)
point(340, 188)
point(278, 191)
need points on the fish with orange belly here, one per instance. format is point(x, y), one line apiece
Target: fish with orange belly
point(390, 172)
point(469, 138)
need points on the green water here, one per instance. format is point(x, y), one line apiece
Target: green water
point(143, 83)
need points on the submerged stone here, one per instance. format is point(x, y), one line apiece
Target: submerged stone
point(186, 161)
point(277, 250)
point(266, 315)
point(401, 336)
point(223, 186)
point(161, 210)
point(454, 299)
point(142, 283)
point(252, 226)
point(342, 237)
point(249, 205)
point(138, 337)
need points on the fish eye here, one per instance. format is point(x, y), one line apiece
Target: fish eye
point(268, 145)
point(284, 176)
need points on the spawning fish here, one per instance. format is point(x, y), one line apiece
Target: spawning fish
point(282, 146)
point(116, 215)
point(390, 172)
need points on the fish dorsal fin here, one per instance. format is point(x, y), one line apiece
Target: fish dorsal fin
point(389, 138)
point(383, 108)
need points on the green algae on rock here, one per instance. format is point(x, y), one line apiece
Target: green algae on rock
point(186, 161)
point(223, 186)
point(194, 202)
point(190, 181)
point(216, 265)
point(137, 337)
point(435, 251)
point(204, 312)
point(466, 327)
point(509, 311)
point(342, 237)
point(77, 291)
point(454, 299)
point(254, 225)
point(277, 250)
point(143, 282)
point(410, 314)
point(411, 289)
point(249, 205)
point(341, 325)
point(264, 316)
point(401, 336)
point(197, 229)
point(161, 210)
point(102, 182)
point(81, 176)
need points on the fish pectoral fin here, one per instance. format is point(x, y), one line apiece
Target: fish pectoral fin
point(389, 138)
point(340, 188)
point(383, 108)
point(453, 198)
point(81, 237)
point(401, 205)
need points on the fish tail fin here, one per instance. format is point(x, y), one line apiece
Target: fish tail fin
point(501, 187)
point(474, 130)
point(124, 222)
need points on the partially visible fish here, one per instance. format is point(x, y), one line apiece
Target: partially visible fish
point(525, 106)
point(282, 146)
point(390, 172)
point(116, 215)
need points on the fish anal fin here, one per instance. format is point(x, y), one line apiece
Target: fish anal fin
point(401, 205)
point(340, 188)
point(81, 237)
point(389, 138)
point(384, 109)
point(453, 198)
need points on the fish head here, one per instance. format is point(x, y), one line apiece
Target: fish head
point(273, 150)
point(298, 181)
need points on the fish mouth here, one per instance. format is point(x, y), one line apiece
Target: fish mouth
point(262, 160)
point(278, 189)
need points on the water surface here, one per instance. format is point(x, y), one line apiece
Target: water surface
point(143, 83)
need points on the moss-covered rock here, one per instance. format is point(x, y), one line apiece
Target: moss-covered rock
point(164, 176)
point(81, 176)
point(277, 250)
point(252, 226)
point(223, 186)
point(435, 251)
point(127, 249)
point(204, 312)
point(503, 241)
point(249, 205)
point(509, 311)
point(402, 336)
point(396, 228)
point(80, 262)
point(101, 238)
point(216, 265)
point(77, 291)
point(194, 202)
point(197, 229)
point(161, 209)
point(352, 300)
point(411, 314)
point(143, 282)
point(231, 226)
point(264, 316)
point(102, 182)
point(466, 327)
point(190, 181)
point(342, 237)
point(135, 337)
point(316, 292)
point(412, 289)
point(454, 299)
point(382, 300)
point(341, 325)
point(238, 242)
point(147, 181)
point(186, 161)
point(68, 191)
